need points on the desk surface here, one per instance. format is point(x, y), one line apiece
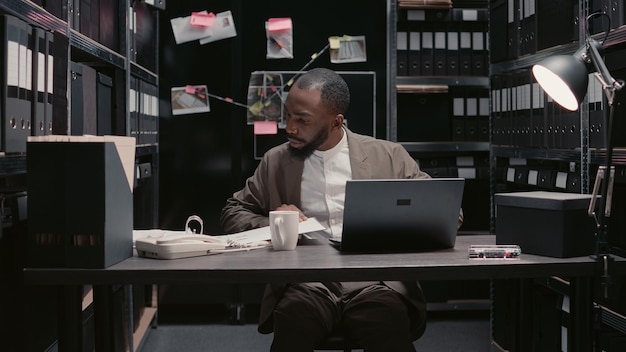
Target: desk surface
point(318, 261)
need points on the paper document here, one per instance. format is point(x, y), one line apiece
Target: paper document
point(263, 233)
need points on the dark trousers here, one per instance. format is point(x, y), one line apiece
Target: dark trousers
point(374, 316)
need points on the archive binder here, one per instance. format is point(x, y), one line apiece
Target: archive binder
point(104, 102)
point(427, 53)
point(16, 99)
point(439, 50)
point(415, 62)
point(59, 49)
point(402, 53)
point(49, 83)
point(465, 52)
point(452, 52)
point(458, 119)
point(39, 82)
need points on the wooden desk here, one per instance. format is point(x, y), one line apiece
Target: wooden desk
point(318, 261)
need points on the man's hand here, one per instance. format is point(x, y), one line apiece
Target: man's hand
point(293, 207)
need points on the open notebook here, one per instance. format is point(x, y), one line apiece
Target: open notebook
point(394, 215)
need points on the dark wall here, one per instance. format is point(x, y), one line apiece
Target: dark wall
point(205, 157)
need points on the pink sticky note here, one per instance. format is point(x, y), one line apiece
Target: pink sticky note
point(190, 89)
point(265, 127)
point(202, 19)
point(278, 24)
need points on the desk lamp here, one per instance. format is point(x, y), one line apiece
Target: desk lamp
point(565, 78)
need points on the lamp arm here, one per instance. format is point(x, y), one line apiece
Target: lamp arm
point(609, 84)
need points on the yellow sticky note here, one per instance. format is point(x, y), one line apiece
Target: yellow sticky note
point(334, 42)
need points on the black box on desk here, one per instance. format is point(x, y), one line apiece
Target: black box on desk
point(552, 224)
point(80, 202)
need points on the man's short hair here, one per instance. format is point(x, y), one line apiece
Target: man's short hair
point(334, 90)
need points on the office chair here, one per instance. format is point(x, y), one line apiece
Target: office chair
point(336, 342)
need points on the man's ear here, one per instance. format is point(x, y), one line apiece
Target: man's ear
point(338, 120)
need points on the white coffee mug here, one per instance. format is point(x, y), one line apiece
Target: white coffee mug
point(284, 229)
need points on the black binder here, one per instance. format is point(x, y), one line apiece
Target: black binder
point(465, 52)
point(49, 83)
point(556, 23)
point(498, 48)
point(415, 62)
point(59, 45)
point(528, 27)
point(479, 53)
point(427, 53)
point(39, 82)
point(16, 99)
point(439, 50)
point(513, 24)
point(402, 53)
point(134, 108)
point(458, 118)
point(104, 93)
point(471, 117)
point(483, 116)
point(452, 51)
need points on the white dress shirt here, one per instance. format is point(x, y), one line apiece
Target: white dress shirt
point(324, 186)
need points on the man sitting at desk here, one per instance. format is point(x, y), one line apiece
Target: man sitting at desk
point(308, 174)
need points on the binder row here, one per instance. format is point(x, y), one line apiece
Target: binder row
point(539, 178)
point(465, 166)
point(522, 27)
point(144, 111)
point(459, 115)
point(30, 64)
point(442, 48)
point(522, 115)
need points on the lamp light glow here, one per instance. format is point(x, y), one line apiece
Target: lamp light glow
point(564, 78)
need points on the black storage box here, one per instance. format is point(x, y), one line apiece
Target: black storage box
point(552, 224)
point(80, 202)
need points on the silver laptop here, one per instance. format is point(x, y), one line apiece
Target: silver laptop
point(399, 215)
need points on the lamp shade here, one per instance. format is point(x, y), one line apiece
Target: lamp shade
point(564, 78)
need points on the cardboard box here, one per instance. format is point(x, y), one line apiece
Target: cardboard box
point(552, 224)
point(80, 202)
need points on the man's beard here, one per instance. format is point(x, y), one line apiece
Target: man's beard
point(310, 147)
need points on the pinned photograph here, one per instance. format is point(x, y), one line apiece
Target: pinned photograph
point(265, 97)
point(190, 100)
point(347, 49)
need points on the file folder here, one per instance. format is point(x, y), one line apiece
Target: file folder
point(16, 99)
point(528, 27)
point(133, 102)
point(39, 82)
point(479, 54)
point(59, 45)
point(483, 117)
point(498, 48)
point(402, 53)
point(458, 119)
point(427, 53)
point(439, 50)
point(537, 116)
point(471, 118)
point(465, 53)
point(452, 52)
point(104, 94)
point(49, 83)
point(513, 23)
point(415, 63)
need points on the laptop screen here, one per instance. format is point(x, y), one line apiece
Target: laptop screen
point(401, 214)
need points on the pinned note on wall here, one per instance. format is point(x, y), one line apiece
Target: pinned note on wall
point(265, 127)
point(279, 32)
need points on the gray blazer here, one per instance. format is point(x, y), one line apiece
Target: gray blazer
point(276, 181)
